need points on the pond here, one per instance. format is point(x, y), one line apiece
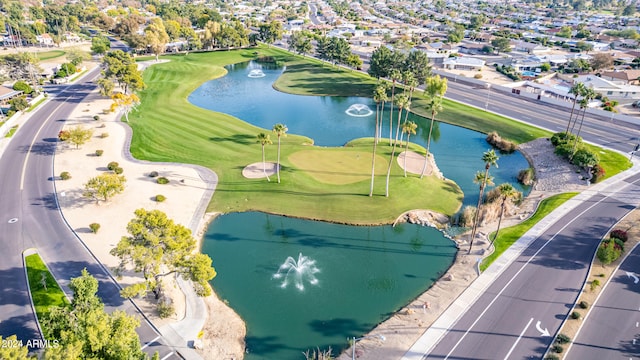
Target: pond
point(339, 282)
point(458, 151)
point(302, 284)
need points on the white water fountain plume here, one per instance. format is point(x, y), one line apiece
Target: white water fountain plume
point(297, 272)
point(359, 110)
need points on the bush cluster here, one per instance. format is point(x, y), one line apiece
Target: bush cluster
point(165, 309)
point(509, 71)
point(118, 170)
point(162, 180)
point(153, 174)
point(65, 175)
point(503, 145)
point(160, 198)
point(575, 315)
point(583, 304)
point(619, 234)
point(99, 152)
point(597, 173)
point(94, 227)
point(562, 339)
point(96, 117)
point(557, 348)
point(63, 135)
point(594, 284)
point(572, 148)
point(104, 135)
point(112, 165)
point(526, 176)
point(610, 250)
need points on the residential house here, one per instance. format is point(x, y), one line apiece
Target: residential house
point(44, 40)
point(614, 91)
point(628, 77)
point(529, 48)
point(463, 63)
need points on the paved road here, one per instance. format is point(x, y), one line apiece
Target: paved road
point(536, 292)
point(28, 195)
point(612, 328)
point(616, 134)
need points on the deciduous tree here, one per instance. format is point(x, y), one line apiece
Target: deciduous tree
point(126, 102)
point(157, 247)
point(103, 187)
point(79, 136)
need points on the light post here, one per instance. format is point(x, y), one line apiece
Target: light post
point(354, 340)
point(635, 150)
point(486, 104)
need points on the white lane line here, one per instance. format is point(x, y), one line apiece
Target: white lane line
point(166, 357)
point(516, 275)
point(35, 138)
point(518, 340)
point(150, 342)
point(637, 324)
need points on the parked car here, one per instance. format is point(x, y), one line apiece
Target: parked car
point(636, 104)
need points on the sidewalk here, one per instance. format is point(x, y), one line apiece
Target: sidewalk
point(455, 311)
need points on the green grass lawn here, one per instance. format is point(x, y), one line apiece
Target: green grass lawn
point(612, 162)
point(168, 128)
point(11, 131)
point(44, 294)
point(48, 55)
point(510, 235)
point(36, 104)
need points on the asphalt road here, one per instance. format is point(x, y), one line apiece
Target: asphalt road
point(612, 328)
point(31, 218)
point(601, 130)
point(524, 307)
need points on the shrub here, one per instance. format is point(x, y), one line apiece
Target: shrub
point(594, 284)
point(562, 339)
point(575, 315)
point(165, 309)
point(597, 173)
point(162, 180)
point(94, 227)
point(104, 135)
point(160, 198)
point(557, 348)
point(584, 158)
point(502, 144)
point(583, 304)
point(465, 217)
point(153, 174)
point(609, 251)
point(526, 176)
point(99, 152)
point(65, 175)
point(564, 149)
point(619, 234)
point(118, 170)
point(561, 138)
point(22, 86)
point(63, 135)
point(477, 76)
point(96, 117)
point(112, 165)
point(551, 357)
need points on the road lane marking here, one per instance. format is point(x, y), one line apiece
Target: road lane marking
point(166, 357)
point(150, 342)
point(13, 220)
point(35, 138)
point(518, 340)
point(518, 273)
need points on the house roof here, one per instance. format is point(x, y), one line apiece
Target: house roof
point(6, 93)
point(626, 75)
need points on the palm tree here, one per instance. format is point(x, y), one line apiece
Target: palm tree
point(409, 128)
point(490, 159)
point(379, 96)
point(264, 139)
point(507, 191)
point(400, 101)
point(589, 94)
point(407, 110)
point(577, 90)
point(280, 130)
point(395, 75)
point(435, 89)
point(384, 87)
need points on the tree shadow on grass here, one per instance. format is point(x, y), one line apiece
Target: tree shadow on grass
point(243, 139)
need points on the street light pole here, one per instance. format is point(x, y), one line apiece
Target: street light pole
point(355, 340)
point(486, 104)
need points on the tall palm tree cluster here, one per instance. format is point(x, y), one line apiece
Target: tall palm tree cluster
point(507, 194)
point(435, 89)
point(280, 130)
point(586, 94)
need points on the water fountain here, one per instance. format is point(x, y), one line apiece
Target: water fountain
point(359, 110)
point(297, 271)
point(256, 73)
